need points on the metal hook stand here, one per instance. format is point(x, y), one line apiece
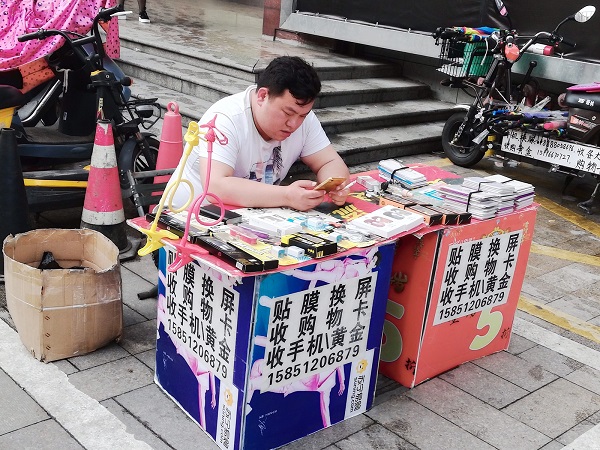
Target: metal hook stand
point(184, 252)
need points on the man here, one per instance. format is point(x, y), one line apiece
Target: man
point(142, 10)
point(268, 127)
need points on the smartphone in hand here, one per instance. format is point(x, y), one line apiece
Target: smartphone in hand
point(329, 184)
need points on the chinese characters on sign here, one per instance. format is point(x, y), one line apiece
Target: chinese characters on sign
point(202, 314)
point(318, 330)
point(564, 153)
point(478, 274)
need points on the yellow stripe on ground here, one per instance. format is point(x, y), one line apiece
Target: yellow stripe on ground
point(560, 319)
point(565, 254)
point(571, 216)
point(441, 162)
point(547, 313)
point(55, 183)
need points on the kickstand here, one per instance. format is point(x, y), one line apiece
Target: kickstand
point(567, 182)
point(587, 205)
point(150, 293)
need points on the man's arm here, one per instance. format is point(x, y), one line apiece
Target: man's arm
point(249, 193)
point(328, 163)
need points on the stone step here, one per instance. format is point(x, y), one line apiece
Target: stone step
point(178, 76)
point(229, 59)
point(341, 119)
point(231, 69)
point(335, 120)
point(368, 111)
point(366, 146)
point(369, 90)
point(211, 86)
point(359, 147)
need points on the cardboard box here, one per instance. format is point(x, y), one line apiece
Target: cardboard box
point(454, 294)
point(258, 361)
point(60, 313)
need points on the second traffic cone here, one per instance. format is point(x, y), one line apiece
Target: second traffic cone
point(13, 203)
point(103, 205)
point(170, 148)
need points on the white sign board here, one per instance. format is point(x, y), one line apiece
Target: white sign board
point(478, 274)
point(563, 153)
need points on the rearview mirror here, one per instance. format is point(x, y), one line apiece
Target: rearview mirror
point(585, 13)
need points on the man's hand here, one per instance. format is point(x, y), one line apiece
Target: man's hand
point(338, 195)
point(300, 195)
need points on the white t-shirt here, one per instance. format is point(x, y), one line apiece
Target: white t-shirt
point(249, 155)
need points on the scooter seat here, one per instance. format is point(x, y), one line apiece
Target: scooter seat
point(583, 100)
point(590, 87)
point(10, 96)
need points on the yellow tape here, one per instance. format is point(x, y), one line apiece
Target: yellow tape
point(569, 215)
point(55, 183)
point(565, 254)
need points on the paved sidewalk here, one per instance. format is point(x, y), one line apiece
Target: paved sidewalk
point(543, 393)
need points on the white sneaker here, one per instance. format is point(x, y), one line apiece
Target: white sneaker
point(144, 17)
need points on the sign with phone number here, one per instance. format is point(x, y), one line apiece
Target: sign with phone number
point(563, 153)
point(478, 274)
point(318, 330)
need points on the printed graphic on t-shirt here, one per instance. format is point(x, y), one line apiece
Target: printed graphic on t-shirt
point(268, 171)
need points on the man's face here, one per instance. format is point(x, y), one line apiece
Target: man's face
point(278, 117)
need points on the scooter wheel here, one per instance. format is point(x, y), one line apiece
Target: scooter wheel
point(462, 151)
point(132, 158)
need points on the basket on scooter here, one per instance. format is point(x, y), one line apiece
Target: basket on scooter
point(464, 59)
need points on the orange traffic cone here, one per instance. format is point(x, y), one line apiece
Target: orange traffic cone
point(170, 149)
point(13, 203)
point(103, 205)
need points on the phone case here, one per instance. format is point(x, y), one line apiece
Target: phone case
point(330, 183)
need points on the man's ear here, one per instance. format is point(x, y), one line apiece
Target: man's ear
point(262, 94)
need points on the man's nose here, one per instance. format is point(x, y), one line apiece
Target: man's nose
point(293, 121)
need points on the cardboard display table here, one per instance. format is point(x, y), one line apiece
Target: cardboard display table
point(260, 360)
point(453, 295)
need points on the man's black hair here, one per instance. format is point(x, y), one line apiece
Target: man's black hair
point(291, 73)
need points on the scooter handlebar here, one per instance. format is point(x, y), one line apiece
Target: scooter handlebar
point(568, 42)
point(39, 34)
point(105, 14)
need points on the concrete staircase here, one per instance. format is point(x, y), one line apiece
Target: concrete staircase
point(367, 109)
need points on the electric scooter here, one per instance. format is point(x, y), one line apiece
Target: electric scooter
point(88, 85)
point(498, 118)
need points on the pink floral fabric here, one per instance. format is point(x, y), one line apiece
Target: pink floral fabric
point(18, 17)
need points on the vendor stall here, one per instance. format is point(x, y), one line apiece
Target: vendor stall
point(243, 352)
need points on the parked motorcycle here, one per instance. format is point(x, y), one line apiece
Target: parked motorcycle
point(501, 119)
point(88, 85)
